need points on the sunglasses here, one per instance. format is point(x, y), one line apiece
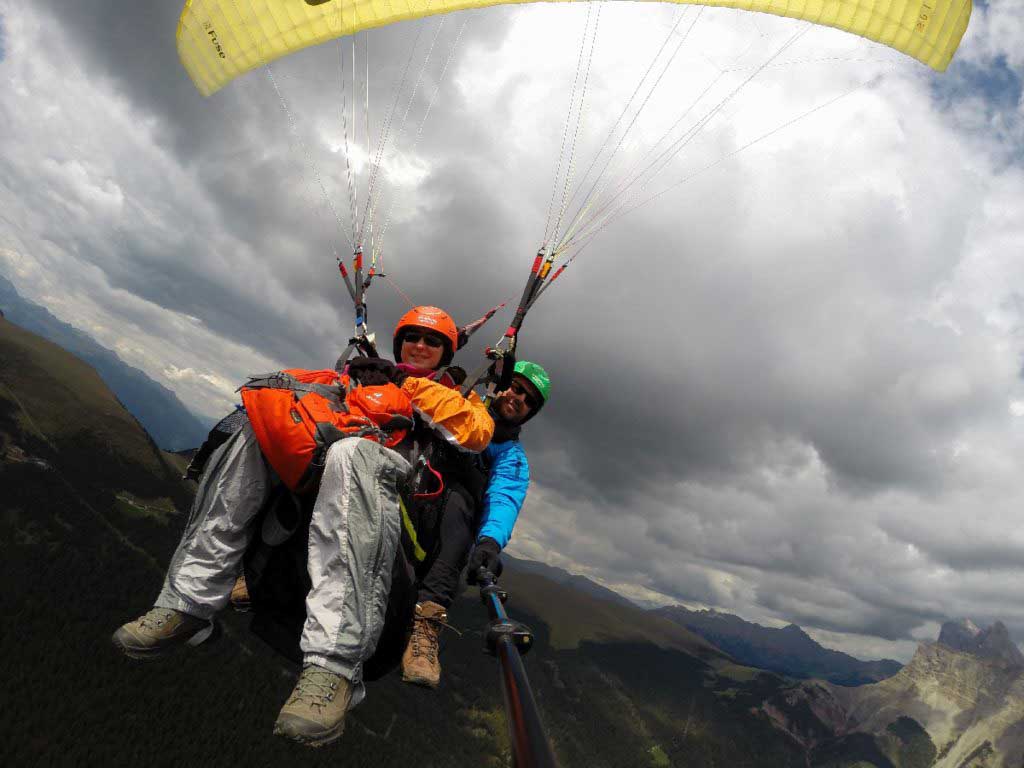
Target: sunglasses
point(528, 398)
point(414, 337)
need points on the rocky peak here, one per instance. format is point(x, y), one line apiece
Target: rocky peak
point(959, 635)
point(991, 643)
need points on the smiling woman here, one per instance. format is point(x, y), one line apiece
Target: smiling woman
point(221, 39)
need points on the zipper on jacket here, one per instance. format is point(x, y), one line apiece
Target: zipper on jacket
point(380, 539)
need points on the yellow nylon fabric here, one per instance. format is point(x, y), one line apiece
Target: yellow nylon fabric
point(220, 39)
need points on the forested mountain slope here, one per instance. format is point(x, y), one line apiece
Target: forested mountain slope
point(173, 425)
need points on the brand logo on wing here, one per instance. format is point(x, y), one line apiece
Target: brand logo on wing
point(213, 39)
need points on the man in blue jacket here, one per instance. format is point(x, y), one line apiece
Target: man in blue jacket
point(507, 477)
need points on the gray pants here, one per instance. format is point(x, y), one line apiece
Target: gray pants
point(353, 538)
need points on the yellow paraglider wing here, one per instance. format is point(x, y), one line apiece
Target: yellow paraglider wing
point(220, 39)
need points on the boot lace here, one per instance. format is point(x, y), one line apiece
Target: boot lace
point(156, 617)
point(425, 632)
point(317, 687)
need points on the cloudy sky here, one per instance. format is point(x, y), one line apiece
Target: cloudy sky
point(787, 383)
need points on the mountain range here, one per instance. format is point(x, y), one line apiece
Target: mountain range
point(787, 650)
point(159, 410)
point(572, 580)
point(952, 706)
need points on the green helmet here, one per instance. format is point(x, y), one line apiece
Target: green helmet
point(536, 376)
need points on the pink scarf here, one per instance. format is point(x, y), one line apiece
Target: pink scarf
point(427, 373)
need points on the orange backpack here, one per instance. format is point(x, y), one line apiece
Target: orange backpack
point(296, 415)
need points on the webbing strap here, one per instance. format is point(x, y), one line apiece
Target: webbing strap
point(361, 343)
point(475, 377)
point(281, 380)
point(466, 331)
point(418, 552)
point(531, 286)
point(343, 360)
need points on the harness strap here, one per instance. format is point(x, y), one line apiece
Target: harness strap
point(280, 380)
point(361, 343)
point(343, 360)
point(418, 552)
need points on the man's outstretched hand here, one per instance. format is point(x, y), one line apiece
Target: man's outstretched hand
point(484, 555)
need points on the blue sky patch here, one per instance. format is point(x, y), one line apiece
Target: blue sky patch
point(2, 49)
point(997, 83)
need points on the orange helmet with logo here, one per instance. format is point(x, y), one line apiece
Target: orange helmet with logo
point(429, 319)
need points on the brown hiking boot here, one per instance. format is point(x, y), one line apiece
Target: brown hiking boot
point(315, 712)
point(159, 631)
point(420, 664)
point(240, 599)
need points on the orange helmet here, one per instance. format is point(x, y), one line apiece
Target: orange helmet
point(429, 319)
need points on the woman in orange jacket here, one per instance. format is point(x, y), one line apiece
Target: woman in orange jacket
point(342, 425)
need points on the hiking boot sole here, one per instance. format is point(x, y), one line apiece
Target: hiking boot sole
point(140, 654)
point(425, 682)
point(123, 641)
point(311, 740)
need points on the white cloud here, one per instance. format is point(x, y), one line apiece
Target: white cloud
point(996, 29)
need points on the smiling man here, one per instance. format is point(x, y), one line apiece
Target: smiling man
point(467, 521)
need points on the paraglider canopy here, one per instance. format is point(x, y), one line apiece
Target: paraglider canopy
point(221, 39)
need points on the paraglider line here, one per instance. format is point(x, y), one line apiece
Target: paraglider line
point(378, 156)
point(622, 114)
point(760, 138)
point(732, 154)
point(631, 176)
point(666, 156)
point(579, 122)
point(353, 191)
point(398, 290)
point(591, 197)
point(419, 132)
point(401, 132)
point(565, 127)
point(306, 152)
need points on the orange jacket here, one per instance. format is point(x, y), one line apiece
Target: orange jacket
point(463, 422)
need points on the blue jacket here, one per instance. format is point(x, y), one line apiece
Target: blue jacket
point(508, 474)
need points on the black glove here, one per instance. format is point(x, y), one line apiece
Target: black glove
point(484, 555)
point(371, 371)
point(504, 381)
point(398, 376)
point(457, 373)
